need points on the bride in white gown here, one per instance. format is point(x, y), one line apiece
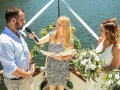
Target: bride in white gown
point(109, 49)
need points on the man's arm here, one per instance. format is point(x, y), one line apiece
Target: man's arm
point(7, 60)
point(21, 73)
point(32, 63)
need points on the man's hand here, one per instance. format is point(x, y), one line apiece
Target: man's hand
point(32, 67)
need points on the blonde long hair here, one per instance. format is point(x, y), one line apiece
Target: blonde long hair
point(66, 32)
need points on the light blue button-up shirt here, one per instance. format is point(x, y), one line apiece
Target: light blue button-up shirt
point(13, 53)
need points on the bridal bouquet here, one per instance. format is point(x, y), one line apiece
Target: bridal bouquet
point(89, 64)
point(112, 80)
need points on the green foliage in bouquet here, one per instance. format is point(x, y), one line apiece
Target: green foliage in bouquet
point(88, 63)
point(112, 80)
point(35, 50)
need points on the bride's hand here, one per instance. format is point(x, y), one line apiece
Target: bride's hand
point(103, 71)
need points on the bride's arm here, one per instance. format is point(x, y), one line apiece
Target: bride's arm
point(116, 57)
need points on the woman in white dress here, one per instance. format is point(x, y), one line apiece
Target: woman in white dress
point(109, 49)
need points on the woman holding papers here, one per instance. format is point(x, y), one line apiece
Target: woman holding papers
point(59, 41)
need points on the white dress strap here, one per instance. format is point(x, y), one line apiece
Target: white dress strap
point(100, 46)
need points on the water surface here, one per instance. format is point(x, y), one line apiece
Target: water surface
point(91, 11)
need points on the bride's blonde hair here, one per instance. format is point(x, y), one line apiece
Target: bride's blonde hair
point(65, 21)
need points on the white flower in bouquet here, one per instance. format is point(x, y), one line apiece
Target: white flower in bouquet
point(92, 66)
point(80, 58)
point(89, 63)
point(86, 60)
point(117, 76)
point(112, 80)
point(83, 54)
point(118, 82)
point(108, 83)
point(83, 62)
point(110, 75)
point(97, 58)
point(93, 53)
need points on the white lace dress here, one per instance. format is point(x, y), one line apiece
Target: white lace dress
point(107, 56)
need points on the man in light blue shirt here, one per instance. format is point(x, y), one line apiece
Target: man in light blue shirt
point(15, 57)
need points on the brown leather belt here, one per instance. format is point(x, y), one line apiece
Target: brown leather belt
point(16, 78)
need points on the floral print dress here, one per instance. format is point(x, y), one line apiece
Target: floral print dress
point(57, 71)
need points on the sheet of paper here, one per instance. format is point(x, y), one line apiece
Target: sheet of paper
point(65, 53)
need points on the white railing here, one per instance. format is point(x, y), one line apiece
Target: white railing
point(38, 14)
point(72, 11)
point(80, 19)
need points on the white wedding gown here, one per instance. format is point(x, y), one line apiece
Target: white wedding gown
point(107, 56)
